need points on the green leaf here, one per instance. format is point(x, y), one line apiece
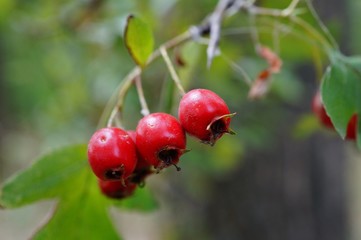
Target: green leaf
point(47, 178)
point(138, 40)
point(341, 92)
point(81, 212)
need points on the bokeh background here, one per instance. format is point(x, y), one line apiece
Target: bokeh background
point(281, 177)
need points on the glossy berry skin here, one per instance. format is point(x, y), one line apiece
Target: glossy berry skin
point(160, 140)
point(320, 112)
point(112, 154)
point(116, 189)
point(143, 169)
point(351, 132)
point(204, 115)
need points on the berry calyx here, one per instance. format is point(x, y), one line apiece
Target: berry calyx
point(116, 189)
point(112, 154)
point(204, 115)
point(161, 140)
point(320, 112)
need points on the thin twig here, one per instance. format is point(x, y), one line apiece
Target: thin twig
point(115, 104)
point(126, 84)
point(313, 32)
point(172, 71)
point(236, 31)
point(254, 33)
point(290, 9)
point(290, 12)
point(138, 83)
point(238, 68)
point(276, 38)
point(215, 28)
point(178, 40)
point(211, 25)
point(322, 25)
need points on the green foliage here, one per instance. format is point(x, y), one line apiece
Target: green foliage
point(53, 175)
point(81, 209)
point(341, 92)
point(58, 77)
point(139, 40)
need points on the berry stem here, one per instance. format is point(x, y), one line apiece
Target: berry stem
point(123, 90)
point(143, 102)
point(171, 69)
point(115, 104)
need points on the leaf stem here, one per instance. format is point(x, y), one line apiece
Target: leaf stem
point(322, 25)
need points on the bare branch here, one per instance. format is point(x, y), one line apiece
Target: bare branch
point(215, 28)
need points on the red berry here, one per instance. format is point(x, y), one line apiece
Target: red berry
point(116, 189)
point(319, 110)
point(143, 168)
point(160, 140)
point(352, 128)
point(204, 115)
point(112, 154)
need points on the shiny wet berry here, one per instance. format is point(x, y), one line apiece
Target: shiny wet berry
point(160, 140)
point(204, 115)
point(112, 154)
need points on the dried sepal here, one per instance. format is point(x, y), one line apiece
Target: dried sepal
point(262, 83)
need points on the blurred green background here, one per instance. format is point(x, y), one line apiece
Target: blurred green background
point(280, 177)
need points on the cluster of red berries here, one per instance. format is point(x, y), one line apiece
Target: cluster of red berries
point(123, 159)
point(320, 112)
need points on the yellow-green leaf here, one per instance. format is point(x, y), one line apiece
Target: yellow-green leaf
point(139, 40)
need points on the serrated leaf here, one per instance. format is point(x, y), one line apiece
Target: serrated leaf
point(48, 177)
point(341, 92)
point(139, 40)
